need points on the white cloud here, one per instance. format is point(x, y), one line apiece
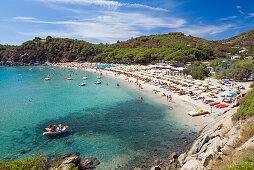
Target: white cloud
point(24, 18)
point(106, 3)
point(241, 12)
point(112, 26)
point(250, 15)
point(228, 18)
point(203, 30)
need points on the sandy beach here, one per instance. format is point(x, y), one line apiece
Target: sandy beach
point(180, 103)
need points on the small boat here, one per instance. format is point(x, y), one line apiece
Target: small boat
point(197, 112)
point(69, 78)
point(82, 84)
point(84, 78)
point(97, 82)
point(46, 78)
point(47, 133)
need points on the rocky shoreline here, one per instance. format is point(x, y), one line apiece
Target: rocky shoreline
point(70, 160)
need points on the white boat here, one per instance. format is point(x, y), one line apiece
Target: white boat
point(82, 84)
point(69, 78)
point(197, 112)
point(65, 128)
point(46, 78)
point(97, 82)
point(84, 78)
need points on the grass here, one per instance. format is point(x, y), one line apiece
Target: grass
point(247, 131)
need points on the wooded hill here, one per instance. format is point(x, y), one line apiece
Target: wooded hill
point(172, 47)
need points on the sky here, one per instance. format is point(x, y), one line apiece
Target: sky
point(106, 21)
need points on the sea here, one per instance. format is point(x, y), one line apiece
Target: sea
point(105, 121)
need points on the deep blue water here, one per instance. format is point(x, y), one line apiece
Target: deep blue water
point(105, 121)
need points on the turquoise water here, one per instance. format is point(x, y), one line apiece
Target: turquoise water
point(105, 121)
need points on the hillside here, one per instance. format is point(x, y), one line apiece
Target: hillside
point(245, 39)
point(172, 47)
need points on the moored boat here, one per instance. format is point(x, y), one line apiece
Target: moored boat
point(69, 78)
point(46, 78)
point(84, 78)
point(97, 82)
point(82, 84)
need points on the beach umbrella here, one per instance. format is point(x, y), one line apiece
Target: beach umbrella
point(233, 93)
point(205, 94)
point(225, 94)
point(178, 86)
point(213, 87)
point(183, 88)
point(173, 85)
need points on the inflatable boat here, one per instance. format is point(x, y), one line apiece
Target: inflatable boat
point(65, 128)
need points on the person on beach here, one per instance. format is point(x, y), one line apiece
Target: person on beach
point(138, 99)
point(170, 98)
point(141, 98)
point(117, 85)
point(167, 97)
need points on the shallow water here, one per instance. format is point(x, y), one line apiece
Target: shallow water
point(105, 121)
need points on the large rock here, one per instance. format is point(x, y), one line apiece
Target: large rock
point(65, 159)
point(181, 158)
point(203, 141)
point(173, 155)
point(89, 163)
point(212, 149)
point(247, 145)
point(193, 164)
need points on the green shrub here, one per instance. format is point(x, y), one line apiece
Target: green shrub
point(36, 162)
point(244, 166)
point(246, 108)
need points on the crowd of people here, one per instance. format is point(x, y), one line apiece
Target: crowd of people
point(54, 128)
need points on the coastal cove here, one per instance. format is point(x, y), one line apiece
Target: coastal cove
point(105, 121)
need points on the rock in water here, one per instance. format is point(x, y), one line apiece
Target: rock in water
point(65, 159)
point(89, 163)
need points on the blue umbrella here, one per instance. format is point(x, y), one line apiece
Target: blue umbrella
point(233, 93)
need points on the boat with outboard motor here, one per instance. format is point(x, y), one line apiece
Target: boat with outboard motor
point(49, 133)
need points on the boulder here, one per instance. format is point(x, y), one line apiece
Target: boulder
point(204, 140)
point(193, 164)
point(156, 168)
point(181, 158)
point(89, 163)
point(173, 155)
point(65, 159)
point(248, 144)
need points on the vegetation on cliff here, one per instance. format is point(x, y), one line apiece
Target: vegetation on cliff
point(172, 47)
point(36, 162)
